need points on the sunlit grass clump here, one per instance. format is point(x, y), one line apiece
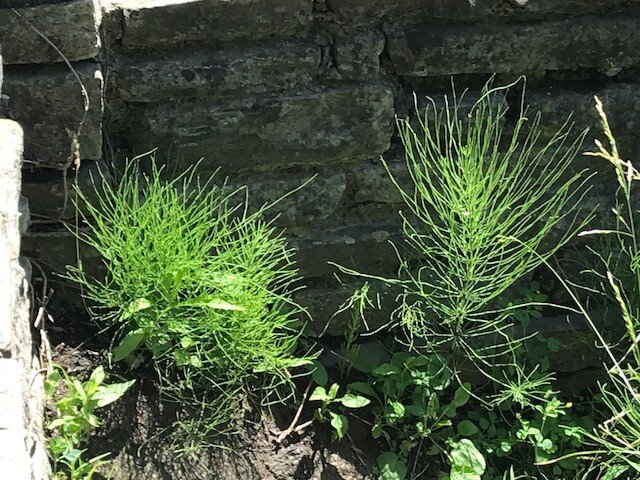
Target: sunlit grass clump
point(197, 286)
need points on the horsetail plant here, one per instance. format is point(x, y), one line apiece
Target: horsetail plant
point(198, 286)
point(484, 207)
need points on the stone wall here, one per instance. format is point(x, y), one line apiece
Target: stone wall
point(273, 92)
point(22, 456)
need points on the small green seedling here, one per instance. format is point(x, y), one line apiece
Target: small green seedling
point(74, 418)
point(329, 398)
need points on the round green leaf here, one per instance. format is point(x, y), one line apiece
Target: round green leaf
point(339, 423)
point(319, 373)
point(467, 428)
point(354, 401)
point(128, 344)
point(461, 397)
point(391, 466)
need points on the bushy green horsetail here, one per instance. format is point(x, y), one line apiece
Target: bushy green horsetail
point(195, 285)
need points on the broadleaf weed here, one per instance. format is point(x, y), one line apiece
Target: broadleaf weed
point(73, 417)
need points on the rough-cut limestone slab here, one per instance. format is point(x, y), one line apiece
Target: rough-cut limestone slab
point(71, 26)
point(310, 128)
point(157, 24)
point(584, 42)
point(13, 454)
point(316, 201)
point(22, 455)
point(621, 102)
point(367, 11)
point(364, 247)
point(567, 7)
point(357, 54)
point(45, 189)
point(27, 3)
point(214, 74)
point(371, 183)
point(31, 377)
point(47, 101)
point(10, 162)
point(322, 302)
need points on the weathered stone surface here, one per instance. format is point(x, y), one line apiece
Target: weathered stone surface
point(371, 183)
point(317, 200)
point(325, 301)
point(367, 11)
point(21, 393)
point(566, 7)
point(45, 189)
point(70, 26)
point(358, 54)
point(621, 102)
point(365, 248)
point(584, 42)
point(31, 378)
point(153, 24)
point(230, 72)
point(10, 162)
point(27, 3)
point(305, 129)
point(48, 102)
point(13, 454)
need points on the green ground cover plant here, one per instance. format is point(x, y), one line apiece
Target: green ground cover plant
point(73, 417)
point(198, 288)
point(329, 399)
point(513, 424)
point(455, 389)
point(420, 414)
point(487, 203)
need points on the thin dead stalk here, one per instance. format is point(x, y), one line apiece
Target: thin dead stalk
point(294, 427)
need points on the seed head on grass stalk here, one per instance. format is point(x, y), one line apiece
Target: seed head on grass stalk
point(198, 286)
point(618, 439)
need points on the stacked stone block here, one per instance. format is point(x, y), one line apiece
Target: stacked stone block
point(53, 88)
point(270, 93)
point(12, 429)
point(47, 47)
point(22, 456)
point(274, 92)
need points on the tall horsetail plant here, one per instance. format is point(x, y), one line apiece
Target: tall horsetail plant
point(482, 204)
point(198, 286)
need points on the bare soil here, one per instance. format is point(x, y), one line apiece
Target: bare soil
point(136, 430)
